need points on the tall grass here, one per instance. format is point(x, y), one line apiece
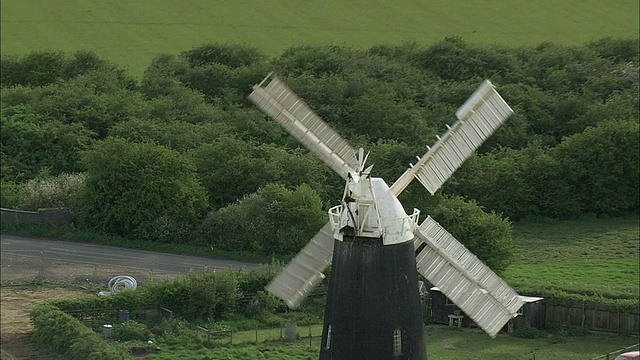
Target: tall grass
point(132, 33)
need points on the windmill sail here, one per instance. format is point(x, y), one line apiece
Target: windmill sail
point(464, 279)
point(479, 117)
point(304, 272)
point(446, 263)
point(281, 104)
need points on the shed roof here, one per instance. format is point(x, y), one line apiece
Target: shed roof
point(526, 299)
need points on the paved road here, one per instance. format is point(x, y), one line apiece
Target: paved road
point(105, 255)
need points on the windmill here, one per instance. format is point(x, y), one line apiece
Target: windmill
point(373, 308)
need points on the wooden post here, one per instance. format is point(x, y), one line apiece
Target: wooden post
point(41, 272)
point(170, 312)
point(205, 330)
point(256, 334)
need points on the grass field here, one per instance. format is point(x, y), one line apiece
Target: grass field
point(131, 33)
point(441, 343)
point(587, 256)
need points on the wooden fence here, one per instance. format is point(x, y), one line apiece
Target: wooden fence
point(613, 354)
point(591, 318)
point(53, 216)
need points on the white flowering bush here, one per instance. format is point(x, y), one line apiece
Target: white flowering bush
point(52, 192)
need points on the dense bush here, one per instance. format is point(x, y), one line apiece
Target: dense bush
point(570, 148)
point(224, 73)
point(487, 235)
point(230, 168)
point(274, 220)
point(10, 194)
point(563, 330)
point(96, 100)
point(46, 67)
point(602, 166)
point(252, 284)
point(129, 187)
point(208, 296)
point(594, 171)
point(517, 183)
point(130, 300)
point(30, 144)
point(130, 330)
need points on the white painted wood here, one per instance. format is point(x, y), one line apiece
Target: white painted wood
point(464, 279)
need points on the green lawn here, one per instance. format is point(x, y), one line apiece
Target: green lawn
point(588, 256)
point(131, 33)
point(441, 343)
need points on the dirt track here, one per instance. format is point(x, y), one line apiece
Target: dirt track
point(15, 304)
point(17, 296)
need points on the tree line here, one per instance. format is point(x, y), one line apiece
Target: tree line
point(181, 155)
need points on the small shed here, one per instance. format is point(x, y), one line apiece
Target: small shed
point(444, 311)
point(530, 315)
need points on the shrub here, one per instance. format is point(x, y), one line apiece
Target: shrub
point(231, 55)
point(198, 296)
point(210, 295)
point(257, 278)
point(130, 187)
point(130, 300)
point(602, 166)
point(130, 331)
point(487, 235)
point(177, 332)
point(275, 220)
point(32, 141)
point(51, 192)
point(10, 194)
point(261, 303)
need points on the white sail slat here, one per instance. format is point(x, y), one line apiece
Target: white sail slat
point(304, 272)
point(464, 279)
point(479, 117)
point(282, 105)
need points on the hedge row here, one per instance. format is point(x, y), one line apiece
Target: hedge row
point(196, 296)
point(62, 334)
